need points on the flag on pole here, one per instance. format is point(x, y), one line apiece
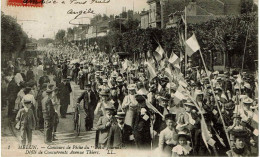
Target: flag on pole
point(206, 135)
point(192, 45)
point(173, 58)
point(151, 70)
point(159, 53)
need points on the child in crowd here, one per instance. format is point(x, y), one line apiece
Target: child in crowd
point(183, 148)
point(26, 121)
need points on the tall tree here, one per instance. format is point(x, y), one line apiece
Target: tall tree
point(60, 35)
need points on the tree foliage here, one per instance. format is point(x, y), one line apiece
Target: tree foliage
point(60, 35)
point(225, 36)
point(13, 38)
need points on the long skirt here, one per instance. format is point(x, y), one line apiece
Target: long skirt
point(130, 114)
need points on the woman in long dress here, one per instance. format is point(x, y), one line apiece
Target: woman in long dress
point(129, 105)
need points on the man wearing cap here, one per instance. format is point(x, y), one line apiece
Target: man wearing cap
point(64, 96)
point(26, 121)
point(104, 124)
point(48, 115)
point(90, 102)
point(121, 134)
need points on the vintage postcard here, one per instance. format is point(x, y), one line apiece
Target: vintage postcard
point(129, 78)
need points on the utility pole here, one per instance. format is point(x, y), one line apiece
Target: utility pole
point(185, 36)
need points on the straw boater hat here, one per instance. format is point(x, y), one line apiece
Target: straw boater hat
point(248, 101)
point(183, 134)
point(120, 115)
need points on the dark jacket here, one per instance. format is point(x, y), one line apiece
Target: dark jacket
point(142, 131)
point(88, 106)
point(64, 92)
point(118, 138)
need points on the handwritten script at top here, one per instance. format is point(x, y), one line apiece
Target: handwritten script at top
point(65, 2)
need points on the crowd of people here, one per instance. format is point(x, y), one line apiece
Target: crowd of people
point(199, 114)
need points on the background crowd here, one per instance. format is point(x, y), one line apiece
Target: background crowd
point(141, 104)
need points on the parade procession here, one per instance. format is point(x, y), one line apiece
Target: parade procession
point(189, 89)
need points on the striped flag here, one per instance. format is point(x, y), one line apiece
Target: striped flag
point(151, 70)
point(192, 45)
point(173, 58)
point(159, 53)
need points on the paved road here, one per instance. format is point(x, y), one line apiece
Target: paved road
point(65, 132)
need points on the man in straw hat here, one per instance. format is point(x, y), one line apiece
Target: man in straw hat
point(104, 124)
point(104, 102)
point(121, 134)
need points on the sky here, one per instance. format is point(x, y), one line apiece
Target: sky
point(46, 21)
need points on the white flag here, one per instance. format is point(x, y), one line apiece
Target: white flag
point(159, 53)
point(174, 58)
point(192, 45)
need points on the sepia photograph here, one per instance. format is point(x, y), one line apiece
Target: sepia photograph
point(129, 78)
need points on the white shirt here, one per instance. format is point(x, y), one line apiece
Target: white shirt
point(121, 126)
point(167, 136)
point(182, 150)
